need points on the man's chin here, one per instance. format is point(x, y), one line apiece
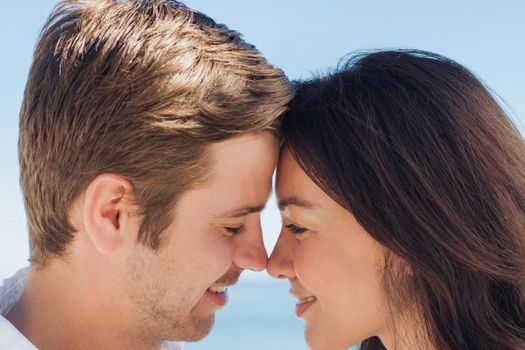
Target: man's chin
point(196, 329)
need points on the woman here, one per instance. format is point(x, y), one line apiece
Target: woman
point(402, 190)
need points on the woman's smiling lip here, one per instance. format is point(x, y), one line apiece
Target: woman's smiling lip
point(303, 304)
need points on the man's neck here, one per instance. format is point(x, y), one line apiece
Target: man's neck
point(59, 311)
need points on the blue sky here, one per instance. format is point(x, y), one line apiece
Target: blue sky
point(299, 36)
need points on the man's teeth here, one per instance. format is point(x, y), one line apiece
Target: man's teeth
point(217, 289)
point(307, 300)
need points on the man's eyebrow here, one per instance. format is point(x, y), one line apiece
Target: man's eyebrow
point(237, 213)
point(283, 203)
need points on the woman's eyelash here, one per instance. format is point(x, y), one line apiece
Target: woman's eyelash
point(296, 230)
point(236, 230)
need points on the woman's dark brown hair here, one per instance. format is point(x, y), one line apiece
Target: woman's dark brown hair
point(417, 148)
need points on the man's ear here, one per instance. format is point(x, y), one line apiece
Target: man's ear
point(106, 211)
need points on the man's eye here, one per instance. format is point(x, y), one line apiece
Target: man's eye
point(296, 230)
point(236, 230)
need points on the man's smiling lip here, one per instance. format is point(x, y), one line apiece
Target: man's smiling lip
point(220, 298)
point(218, 293)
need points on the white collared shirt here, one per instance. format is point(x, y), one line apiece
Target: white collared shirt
point(10, 292)
point(10, 337)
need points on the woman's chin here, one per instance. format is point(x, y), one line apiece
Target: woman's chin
point(318, 340)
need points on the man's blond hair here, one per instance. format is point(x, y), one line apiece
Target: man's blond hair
point(138, 88)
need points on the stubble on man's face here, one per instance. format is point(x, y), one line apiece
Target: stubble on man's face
point(193, 326)
point(166, 311)
point(162, 306)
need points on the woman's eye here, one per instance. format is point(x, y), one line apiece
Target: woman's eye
point(296, 230)
point(236, 230)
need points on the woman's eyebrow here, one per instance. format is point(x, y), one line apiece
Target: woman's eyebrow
point(293, 200)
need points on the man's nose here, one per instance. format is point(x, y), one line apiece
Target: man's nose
point(281, 263)
point(250, 252)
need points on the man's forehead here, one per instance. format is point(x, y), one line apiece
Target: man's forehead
point(239, 179)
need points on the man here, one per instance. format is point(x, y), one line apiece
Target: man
point(147, 144)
